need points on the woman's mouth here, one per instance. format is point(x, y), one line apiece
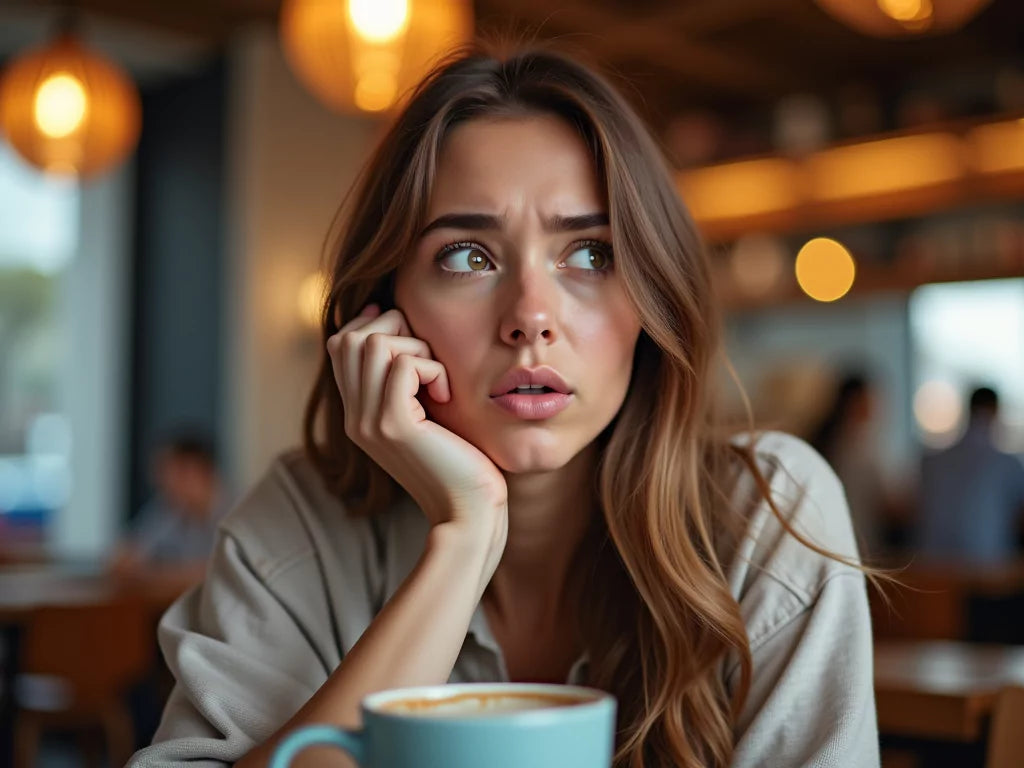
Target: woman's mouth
point(530, 390)
point(533, 403)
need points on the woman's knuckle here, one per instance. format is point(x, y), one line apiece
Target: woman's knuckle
point(348, 342)
point(376, 341)
point(364, 434)
point(389, 427)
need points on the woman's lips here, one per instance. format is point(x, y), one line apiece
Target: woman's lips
point(533, 407)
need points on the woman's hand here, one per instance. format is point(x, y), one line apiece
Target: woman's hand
point(379, 367)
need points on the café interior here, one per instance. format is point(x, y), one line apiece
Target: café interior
point(856, 168)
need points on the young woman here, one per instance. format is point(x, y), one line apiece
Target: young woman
point(513, 468)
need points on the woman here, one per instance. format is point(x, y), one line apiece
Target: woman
point(846, 439)
point(518, 227)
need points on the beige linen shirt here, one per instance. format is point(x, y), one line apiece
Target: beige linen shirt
point(294, 581)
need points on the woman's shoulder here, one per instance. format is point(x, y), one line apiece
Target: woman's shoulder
point(809, 499)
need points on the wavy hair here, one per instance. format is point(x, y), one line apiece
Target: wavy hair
point(667, 465)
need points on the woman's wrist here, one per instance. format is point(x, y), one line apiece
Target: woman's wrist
point(476, 545)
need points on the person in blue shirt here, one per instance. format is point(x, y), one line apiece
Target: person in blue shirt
point(176, 527)
point(972, 494)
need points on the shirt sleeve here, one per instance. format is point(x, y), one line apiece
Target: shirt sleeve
point(1017, 471)
point(242, 663)
point(811, 701)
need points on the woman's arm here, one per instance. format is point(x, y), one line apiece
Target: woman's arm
point(256, 649)
point(414, 640)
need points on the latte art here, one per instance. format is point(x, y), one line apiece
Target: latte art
point(479, 704)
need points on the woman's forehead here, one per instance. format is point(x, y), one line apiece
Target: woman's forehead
point(491, 165)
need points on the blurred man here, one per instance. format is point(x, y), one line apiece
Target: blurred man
point(176, 527)
point(972, 494)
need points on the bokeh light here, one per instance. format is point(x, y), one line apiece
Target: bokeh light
point(60, 105)
point(379, 21)
point(825, 270)
point(938, 410)
point(911, 12)
point(311, 297)
point(375, 91)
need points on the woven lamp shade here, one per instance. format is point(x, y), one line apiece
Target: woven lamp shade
point(899, 18)
point(67, 110)
point(351, 71)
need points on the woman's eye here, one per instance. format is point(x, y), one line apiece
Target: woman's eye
point(591, 256)
point(463, 257)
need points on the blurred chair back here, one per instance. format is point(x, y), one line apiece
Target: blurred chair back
point(1006, 737)
point(97, 649)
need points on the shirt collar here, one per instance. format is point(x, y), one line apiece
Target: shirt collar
point(480, 630)
point(407, 547)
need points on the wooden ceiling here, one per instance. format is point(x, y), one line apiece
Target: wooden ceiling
point(734, 56)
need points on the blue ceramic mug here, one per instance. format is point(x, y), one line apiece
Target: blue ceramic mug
point(497, 725)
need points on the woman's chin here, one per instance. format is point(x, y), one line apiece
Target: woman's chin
point(512, 448)
point(524, 458)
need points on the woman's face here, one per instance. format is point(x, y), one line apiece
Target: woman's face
point(524, 277)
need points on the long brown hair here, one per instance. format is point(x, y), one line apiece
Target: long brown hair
point(667, 619)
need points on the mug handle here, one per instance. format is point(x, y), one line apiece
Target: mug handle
point(352, 741)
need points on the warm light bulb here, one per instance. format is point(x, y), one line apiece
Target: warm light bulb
point(825, 270)
point(375, 91)
point(912, 12)
point(379, 21)
point(60, 105)
point(312, 294)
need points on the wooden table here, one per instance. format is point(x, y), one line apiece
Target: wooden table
point(27, 588)
point(940, 689)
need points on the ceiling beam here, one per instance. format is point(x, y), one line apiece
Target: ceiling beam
point(665, 40)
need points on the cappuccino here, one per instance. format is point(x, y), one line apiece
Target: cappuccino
point(480, 704)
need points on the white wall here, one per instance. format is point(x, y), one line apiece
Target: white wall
point(95, 314)
point(290, 163)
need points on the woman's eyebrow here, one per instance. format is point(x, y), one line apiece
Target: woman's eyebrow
point(572, 223)
point(487, 221)
point(475, 221)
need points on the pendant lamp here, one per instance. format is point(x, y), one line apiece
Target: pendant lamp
point(363, 55)
point(899, 18)
point(68, 110)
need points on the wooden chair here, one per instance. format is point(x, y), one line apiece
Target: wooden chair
point(95, 651)
point(1006, 735)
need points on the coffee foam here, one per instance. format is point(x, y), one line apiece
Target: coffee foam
point(480, 704)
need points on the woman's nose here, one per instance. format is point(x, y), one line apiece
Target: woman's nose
point(532, 308)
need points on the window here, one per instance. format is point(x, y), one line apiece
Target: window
point(966, 335)
point(38, 239)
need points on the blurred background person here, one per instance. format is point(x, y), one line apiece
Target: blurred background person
point(176, 526)
point(972, 494)
point(846, 437)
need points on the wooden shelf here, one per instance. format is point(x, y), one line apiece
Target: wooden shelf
point(898, 279)
point(937, 168)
